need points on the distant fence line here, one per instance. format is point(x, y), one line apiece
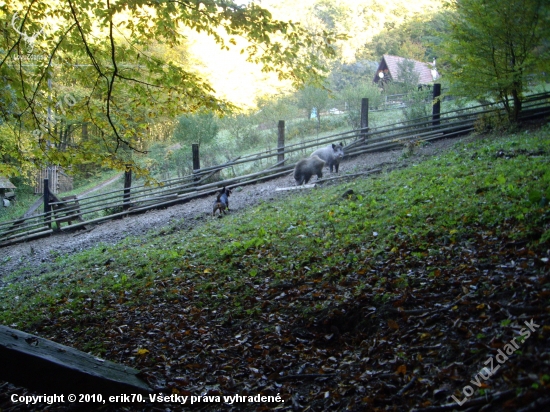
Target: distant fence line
point(77, 212)
point(339, 107)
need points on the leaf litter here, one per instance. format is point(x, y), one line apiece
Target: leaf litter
point(326, 314)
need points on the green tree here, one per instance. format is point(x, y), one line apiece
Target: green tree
point(409, 31)
point(344, 74)
point(351, 95)
point(412, 50)
point(493, 45)
point(199, 128)
point(181, 160)
point(242, 128)
point(275, 108)
point(407, 76)
point(312, 97)
point(97, 61)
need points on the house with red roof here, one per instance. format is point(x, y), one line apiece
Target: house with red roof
point(390, 67)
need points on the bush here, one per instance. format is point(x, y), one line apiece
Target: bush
point(112, 210)
point(250, 137)
point(331, 123)
point(494, 121)
point(353, 95)
point(417, 106)
point(302, 128)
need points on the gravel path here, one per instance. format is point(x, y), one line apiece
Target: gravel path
point(30, 255)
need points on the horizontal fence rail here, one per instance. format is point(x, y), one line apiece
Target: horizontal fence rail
point(77, 212)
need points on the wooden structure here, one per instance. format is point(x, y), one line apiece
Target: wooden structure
point(6, 189)
point(389, 70)
point(48, 367)
point(59, 181)
point(66, 209)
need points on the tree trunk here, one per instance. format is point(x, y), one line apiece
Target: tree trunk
point(517, 106)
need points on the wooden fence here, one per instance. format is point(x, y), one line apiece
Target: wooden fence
point(59, 181)
point(87, 210)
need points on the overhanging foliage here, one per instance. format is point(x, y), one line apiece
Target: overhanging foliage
point(102, 63)
point(494, 46)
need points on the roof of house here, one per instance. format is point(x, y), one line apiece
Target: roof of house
point(5, 183)
point(389, 65)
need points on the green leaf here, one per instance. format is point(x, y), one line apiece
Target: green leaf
point(535, 196)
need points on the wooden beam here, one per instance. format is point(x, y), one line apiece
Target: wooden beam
point(308, 186)
point(25, 237)
point(48, 367)
point(343, 176)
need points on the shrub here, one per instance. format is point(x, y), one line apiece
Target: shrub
point(417, 107)
point(494, 121)
point(353, 94)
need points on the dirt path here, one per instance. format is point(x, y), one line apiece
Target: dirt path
point(30, 256)
point(101, 185)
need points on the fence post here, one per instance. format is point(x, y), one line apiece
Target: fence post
point(47, 207)
point(281, 141)
point(436, 105)
point(196, 159)
point(127, 186)
point(364, 117)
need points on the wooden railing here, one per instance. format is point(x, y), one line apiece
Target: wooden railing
point(86, 210)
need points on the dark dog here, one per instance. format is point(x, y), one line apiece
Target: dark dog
point(222, 201)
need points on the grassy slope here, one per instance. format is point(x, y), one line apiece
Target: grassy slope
point(421, 272)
